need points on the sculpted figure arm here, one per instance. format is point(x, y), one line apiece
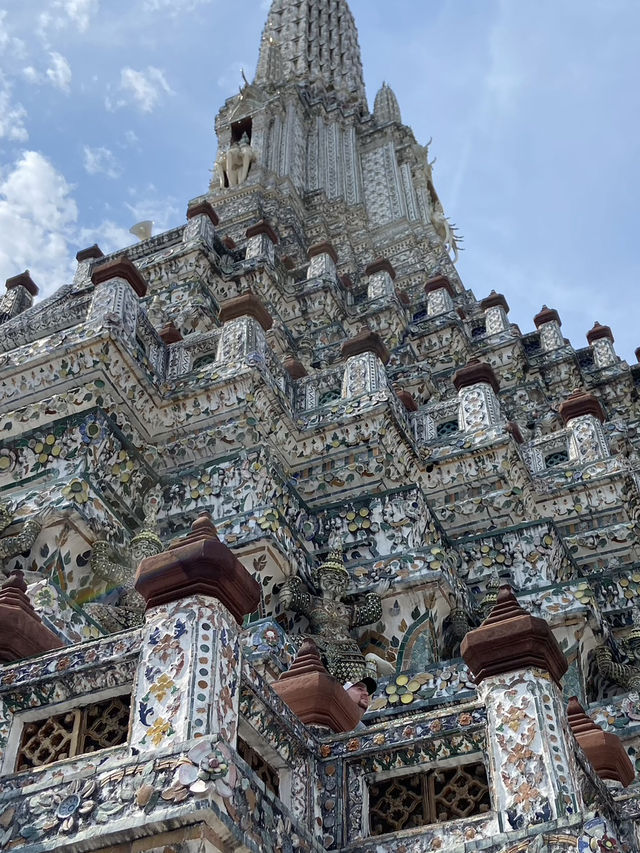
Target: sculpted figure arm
point(11, 546)
point(369, 611)
point(294, 596)
point(623, 674)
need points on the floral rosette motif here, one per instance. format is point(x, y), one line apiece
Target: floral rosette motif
point(597, 838)
point(206, 770)
point(62, 811)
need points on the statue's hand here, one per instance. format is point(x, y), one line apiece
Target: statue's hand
point(382, 586)
point(291, 594)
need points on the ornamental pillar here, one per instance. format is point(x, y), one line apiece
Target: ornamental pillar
point(381, 276)
point(21, 290)
point(364, 372)
point(440, 295)
point(495, 308)
point(188, 681)
point(548, 324)
point(517, 664)
point(86, 259)
point(245, 320)
point(261, 242)
point(600, 339)
point(477, 386)
point(323, 259)
point(118, 288)
point(201, 223)
point(583, 416)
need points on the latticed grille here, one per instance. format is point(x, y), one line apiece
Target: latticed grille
point(557, 458)
point(105, 724)
point(47, 740)
point(76, 732)
point(447, 428)
point(459, 792)
point(417, 799)
point(260, 767)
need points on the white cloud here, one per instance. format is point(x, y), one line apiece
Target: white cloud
point(31, 75)
point(146, 203)
point(8, 43)
point(59, 72)
point(174, 7)
point(12, 114)
point(131, 139)
point(143, 88)
point(78, 12)
point(37, 217)
point(101, 161)
point(108, 235)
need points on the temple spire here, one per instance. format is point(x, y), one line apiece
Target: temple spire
point(318, 43)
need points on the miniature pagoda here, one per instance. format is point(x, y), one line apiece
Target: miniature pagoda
point(304, 545)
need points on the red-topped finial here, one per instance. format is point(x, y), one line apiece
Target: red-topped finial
point(198, 564)
point(22, 633)
point(313, 695)
point(604, 750)
point(511, 639)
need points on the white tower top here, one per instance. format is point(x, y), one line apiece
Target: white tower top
point(318, 43)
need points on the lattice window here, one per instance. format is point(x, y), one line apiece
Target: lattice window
point(557, 458)
point(447, 428)
point(205, 360)
point(478, 331)
point(585, 357)
point(76, 732)
point(328, 397)
point(260, 767)
point(532, 344)
point(435, 796)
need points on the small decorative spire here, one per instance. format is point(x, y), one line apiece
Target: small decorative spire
point(307, 660)
point(547, 315)
point(604, 750)
point(316, 697)
point(597, 332)
point(202, 528)
point(511, 639)
point(365, 341)
point(475, 372)
point(246, 305)
point(386, 108)
point(23, 280)
point(22, 633)
point(170, 333)
point(198, 564)
point(581, 403)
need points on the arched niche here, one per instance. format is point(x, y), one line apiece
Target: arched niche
point(417, 649)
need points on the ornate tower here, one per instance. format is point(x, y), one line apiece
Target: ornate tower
point(308, 548)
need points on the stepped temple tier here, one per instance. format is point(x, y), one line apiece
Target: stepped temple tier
point(305, 546)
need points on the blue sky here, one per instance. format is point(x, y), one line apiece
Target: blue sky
point(107, 109)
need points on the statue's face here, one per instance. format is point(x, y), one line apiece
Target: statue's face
point(360, 695)
point(332, 584)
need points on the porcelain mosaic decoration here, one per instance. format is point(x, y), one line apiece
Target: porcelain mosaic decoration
point(281, 448)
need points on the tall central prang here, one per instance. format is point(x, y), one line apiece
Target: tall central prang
point(306, 547)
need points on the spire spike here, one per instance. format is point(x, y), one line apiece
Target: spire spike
point(318, 43)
